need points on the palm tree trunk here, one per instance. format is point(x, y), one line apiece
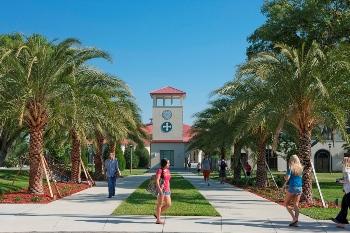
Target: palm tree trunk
point(75, 158)
point(98, 157)
point(36, 167)
point(304, 150)
point(3, 153)
point(261, 173)
point(112, 147)
point(236, 164)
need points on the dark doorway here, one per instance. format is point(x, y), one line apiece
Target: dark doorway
point(322, 161)
point(168, 154)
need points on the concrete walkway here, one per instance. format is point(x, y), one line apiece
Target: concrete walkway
point(90, 211)
point(243, 211)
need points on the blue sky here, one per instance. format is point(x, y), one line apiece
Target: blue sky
point(192, 45)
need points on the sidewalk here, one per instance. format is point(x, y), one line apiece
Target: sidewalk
point(90, 211)
point(243, 211)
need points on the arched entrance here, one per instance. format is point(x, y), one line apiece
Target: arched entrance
point(322, 161)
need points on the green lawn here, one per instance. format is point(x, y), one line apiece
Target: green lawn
point(320, 213)
point(331, 191)
point(329, 188)
point(134, 172)
point(186, 201)
point(6, 180)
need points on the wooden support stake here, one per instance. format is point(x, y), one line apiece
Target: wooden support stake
point(318, 185)
point(86, 176)
point(273, 178)
point(46, 175)
point(53, 179)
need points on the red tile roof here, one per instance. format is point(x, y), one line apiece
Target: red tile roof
point(168, 90)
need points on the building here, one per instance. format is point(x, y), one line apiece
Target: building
point(326, 156)
point(169, 135)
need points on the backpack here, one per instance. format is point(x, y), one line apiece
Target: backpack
point(152, 185)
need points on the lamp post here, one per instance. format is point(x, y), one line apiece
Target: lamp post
point(330, 157)
point(131, 146)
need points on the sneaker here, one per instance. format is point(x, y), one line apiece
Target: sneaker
point(109, 197)
point(335, 221)
point(293, 224)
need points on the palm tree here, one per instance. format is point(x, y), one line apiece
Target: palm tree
point(308, 87)
point(253, 116)
point(36, 77)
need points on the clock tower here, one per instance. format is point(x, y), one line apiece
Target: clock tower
point(167, 131)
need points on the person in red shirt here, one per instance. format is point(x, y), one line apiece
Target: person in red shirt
point(163, 177)
point(247, 168)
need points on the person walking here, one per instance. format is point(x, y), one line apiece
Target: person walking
point(198, 167)
point(206, 167)
point(341, 219)
point(248, 169)
point(163, 177)
point(222, 170)
point(111, 171)
point(294, 177)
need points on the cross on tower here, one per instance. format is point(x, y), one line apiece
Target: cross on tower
point(166, 126)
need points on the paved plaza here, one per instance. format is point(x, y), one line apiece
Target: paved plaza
point(90, 211)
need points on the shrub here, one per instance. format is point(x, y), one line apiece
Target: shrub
point(36, 199)
point(245, 181)
point(279, 180)
point(143, 155)
point(135, 158)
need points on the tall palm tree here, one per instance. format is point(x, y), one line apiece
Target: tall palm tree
point(81, 108)
point(37, 73)
point(308, 87)
point(252, 114)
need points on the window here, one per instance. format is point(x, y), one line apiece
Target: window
point(160, 102)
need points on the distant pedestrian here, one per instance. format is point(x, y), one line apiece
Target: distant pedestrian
point(199, 167)
point(206, 168)
point(163, 177)
point(294, 177)
point(248, 169)
point(111, 171)
point(222, 169)
point(341, 218)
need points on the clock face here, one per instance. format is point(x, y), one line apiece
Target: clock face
point(167, 114)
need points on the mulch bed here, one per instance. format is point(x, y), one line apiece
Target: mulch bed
point(23, 197)
point(277, 196)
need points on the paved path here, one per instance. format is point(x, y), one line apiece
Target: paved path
point(90, 211)
point(243, 211)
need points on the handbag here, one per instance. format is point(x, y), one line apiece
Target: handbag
point(152, 185)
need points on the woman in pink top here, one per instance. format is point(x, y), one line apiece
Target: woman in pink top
point(163, 187)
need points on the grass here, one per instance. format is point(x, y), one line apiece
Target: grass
point(186, 201)
point(330, 191)
point(138, 171)
point(6, 180)
point(320, 213)
point(329, 188)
